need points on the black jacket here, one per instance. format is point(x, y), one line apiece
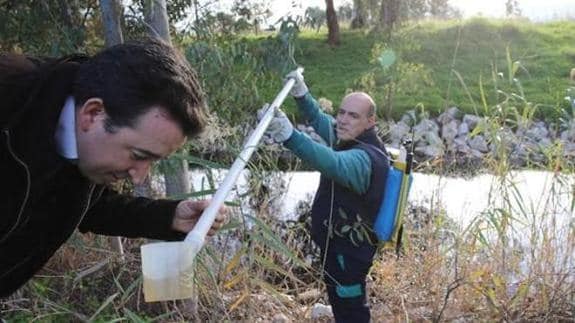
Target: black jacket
point(347, 208)
point(43, 197)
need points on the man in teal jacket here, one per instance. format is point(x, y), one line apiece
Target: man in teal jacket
point(353, 167)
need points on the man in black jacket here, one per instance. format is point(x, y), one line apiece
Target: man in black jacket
point(72, 125)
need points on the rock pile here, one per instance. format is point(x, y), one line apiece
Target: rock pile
point(465, 137)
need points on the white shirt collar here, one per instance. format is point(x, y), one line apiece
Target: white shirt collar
point(66, 131)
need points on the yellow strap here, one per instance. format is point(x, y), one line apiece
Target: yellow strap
point(399, 165)
point(401, 205)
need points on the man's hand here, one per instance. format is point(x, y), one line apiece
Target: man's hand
point(280, 128)
point(188, 212)
point(299, 89)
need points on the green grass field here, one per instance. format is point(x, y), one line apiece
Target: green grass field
point(441, 64)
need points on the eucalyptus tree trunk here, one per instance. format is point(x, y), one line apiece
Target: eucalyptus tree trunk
point(388, 16)
point(111, 16)
point(156, 17)
point(332, 25)
point(358, 15)
point(196, 12)
point(176, 174)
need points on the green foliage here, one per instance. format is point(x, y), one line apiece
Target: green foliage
point(240, 74)
point(445, 63)
point(234, 73)
point(439, 8)
point(328, 72)
point(512, 8)
point(314, 18)
point(511, 72)
point(392, 75)
point(46, 28)
point(251, 12)
point(344, 13)
point(402, 11)
point(566, 113)
point(480, 48)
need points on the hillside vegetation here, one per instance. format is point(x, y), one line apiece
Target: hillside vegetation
point(514, 261)
point(443, 63)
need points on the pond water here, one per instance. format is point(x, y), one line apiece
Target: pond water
point(540, 203)
point(530, 193)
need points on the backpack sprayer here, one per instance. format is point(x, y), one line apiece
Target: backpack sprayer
point(388, 224)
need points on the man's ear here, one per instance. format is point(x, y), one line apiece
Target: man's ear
point(372, 120)
point(90, 113)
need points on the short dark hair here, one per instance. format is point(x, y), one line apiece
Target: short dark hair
point(132, 77)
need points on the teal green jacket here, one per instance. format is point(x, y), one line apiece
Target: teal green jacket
point(350, 168)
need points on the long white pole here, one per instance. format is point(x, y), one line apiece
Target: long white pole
point(198, 234)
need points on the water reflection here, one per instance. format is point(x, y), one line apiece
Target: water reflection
point(538, 205)
point(529, 194)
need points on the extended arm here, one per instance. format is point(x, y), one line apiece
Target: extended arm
point(122, 215)
point(350, 168)
point(320, 121)
point(308, 106)
point(134, 217)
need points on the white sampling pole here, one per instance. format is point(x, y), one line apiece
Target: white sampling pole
point(198, 234)
point(167, 266)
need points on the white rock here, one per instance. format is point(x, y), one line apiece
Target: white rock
point(430, 151)
point(454, 112)
point(280, 318)
point(461, 145)
point(478, 143)
point(569, 134)
point(463, 129)
point(427, 125)
point(449, 132)
point(476, 153)
point(448, 116)
point(471, 120)
point(398, 131)
point(320, 310)
point(408, 117)
point(545, 143)
point(537, 132)
point(569, 149)
point(433, 139)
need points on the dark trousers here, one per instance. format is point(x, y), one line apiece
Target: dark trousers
point(345, 273)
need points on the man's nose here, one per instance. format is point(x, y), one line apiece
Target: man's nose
point(139, 171)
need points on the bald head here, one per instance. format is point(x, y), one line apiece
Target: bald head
point(361, 100)
point(356, 114)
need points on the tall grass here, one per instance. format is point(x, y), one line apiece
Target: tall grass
point(514, 262)
point(441, 50)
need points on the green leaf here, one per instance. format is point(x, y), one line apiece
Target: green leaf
point(107, 302)
point(342, 213)
point(358, 234)
point(133, 317)
point(267, 236)
point(128, 292)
